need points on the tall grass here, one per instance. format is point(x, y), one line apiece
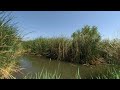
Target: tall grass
point(10, 46)
point(84, 46)
point(85, 43)
point(55, 48)
point(110, 50)
point(110, 73)
point(44, 74)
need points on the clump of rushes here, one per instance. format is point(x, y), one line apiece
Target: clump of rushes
point(112, 73)
point(44, 74)
point(108, 73)
point(85, 44)
point(10, 46)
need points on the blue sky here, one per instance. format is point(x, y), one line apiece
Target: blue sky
point(56, 23)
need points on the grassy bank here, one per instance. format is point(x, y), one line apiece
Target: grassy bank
point(84, 46)
point(10, 46)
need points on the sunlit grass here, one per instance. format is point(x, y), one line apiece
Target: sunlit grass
point(7, 71)
point(43, 75)
point(78, 74)
point(10, 47)
point(111, 74)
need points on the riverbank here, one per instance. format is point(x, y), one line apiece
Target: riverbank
point(10, 47)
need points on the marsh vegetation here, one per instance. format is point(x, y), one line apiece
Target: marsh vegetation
point(85, 47)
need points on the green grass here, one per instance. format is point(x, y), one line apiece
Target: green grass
point(44, 74)
point(110, 74)
point(78, 74)
point(10, 46)
point(80, 48)
point(84, 46)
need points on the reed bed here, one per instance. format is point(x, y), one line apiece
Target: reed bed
point(85, 47)
point(10, 46)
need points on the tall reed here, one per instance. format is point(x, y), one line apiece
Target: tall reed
point(80, 48)
point(10, 45)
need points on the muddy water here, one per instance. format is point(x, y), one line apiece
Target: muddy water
point(33, 64)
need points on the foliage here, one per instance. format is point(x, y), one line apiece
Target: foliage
point(81, 48)
point(10, 46)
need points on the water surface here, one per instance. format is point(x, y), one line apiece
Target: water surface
point(34, 64)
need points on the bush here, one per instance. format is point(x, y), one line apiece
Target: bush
point(85, 44)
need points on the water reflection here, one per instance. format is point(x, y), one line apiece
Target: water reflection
point(33, 64)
